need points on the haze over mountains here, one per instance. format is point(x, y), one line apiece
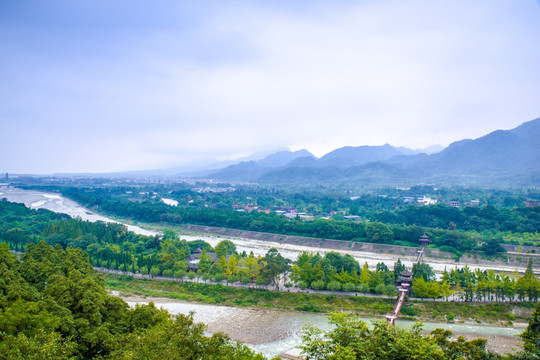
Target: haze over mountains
point(503, 157)
point(500, 158)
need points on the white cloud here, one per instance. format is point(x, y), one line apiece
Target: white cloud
point(239, 79)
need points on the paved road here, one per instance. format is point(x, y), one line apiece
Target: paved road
point(280, 288)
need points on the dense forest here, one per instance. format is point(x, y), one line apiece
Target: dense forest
point(111, 246)
point(452, 229)
point(53, 306)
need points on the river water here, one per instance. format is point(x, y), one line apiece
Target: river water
point(270, 332)
point(57, 203)
point(273, 332)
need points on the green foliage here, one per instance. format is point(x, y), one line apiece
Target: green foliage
point(531, 336)
point(424, 271)
point(225, 247)
point(354, 339)
point(493, 246)
point(53, 306)
point(169, 339)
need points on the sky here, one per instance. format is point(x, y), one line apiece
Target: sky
point(106, 86)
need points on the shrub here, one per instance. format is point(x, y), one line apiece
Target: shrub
point(168, 272)
point(179, 273)
point(409, 310)
point(219, 277)
point(363, 288)
point(349, 287)
point(334, 286)
point(390, 290)
point(317, 285)
point(380, 289)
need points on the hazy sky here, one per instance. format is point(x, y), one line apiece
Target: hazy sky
point(104, 85)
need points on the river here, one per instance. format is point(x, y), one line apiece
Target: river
point(57, 203)
point(271, 332)
point(274, 332)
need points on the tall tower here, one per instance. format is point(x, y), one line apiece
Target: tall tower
point(424, 241)
point(404, 282)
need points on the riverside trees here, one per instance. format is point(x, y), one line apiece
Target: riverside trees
point(391, 221)
point(113, 247)
point(352, 338)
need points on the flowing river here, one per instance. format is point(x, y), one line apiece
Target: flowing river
point(274, 332)
point(271, 332)
point(57, 203)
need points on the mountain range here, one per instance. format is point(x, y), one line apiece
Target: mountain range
point(503, 157)
point(500, 158)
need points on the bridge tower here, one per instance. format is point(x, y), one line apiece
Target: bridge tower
point(404, 281)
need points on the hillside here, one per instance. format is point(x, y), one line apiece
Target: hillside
point(252, 170)
point(503, 157)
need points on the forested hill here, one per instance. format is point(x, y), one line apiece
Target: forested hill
point(54, 306)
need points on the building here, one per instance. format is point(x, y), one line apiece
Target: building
point(425, 200)
point(474, 203)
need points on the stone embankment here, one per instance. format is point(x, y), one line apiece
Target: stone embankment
point(513, 259)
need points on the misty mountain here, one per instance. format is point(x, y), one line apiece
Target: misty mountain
point(501, 153)
point(503, 157)
point(252, 170)
point(349, 156)
point(285, 165)
point(509, 157)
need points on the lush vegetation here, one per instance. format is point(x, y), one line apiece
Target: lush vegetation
point(54, 306)
point(317, 302)
point(111, 246)
point(391, 221)
point(354, 339)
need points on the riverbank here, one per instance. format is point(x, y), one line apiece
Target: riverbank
point(438, 311)
point(387, 254)
point(274, 332)
point(291, 246)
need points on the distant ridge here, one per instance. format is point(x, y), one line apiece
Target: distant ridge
point(349, 156)
point(500, 158)
point(503, 157)
point(252, 170)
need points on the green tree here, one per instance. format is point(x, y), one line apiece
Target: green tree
point(378, 232)
point(353, 339)
point(423, 270)
point(274, 266)
point(181, 337)
point(224, 248)
point(398, 269)
point(531, 336)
